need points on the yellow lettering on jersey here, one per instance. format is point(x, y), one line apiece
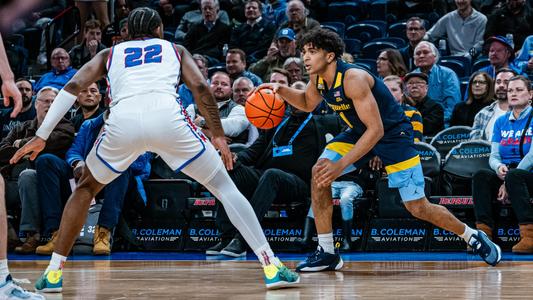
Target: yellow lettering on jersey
point(340, 107)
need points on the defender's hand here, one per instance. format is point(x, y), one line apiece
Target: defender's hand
point(33, 147)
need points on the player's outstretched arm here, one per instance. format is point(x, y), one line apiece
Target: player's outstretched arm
point(206, 103)
point(306, 100)
point(89, 73)
point(9, 89)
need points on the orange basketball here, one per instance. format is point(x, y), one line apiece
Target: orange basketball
point(264, 109)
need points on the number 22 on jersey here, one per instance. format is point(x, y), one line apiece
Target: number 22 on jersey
point(147, 55)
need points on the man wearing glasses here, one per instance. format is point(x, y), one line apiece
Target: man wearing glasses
point(432, 112)
point(61, 71)
point(415, 32)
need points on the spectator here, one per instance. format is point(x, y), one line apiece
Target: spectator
point(236, 66)
point(88, 105)
point(112, 33)
point(61, 71)
point(233, 118)
point(208, 36)
point(525, 56)
point(297, 18)
point(241, 88)
point(515, 17)
point(54, 173)
point(486, 117)
point(480, 94)
point(463, 28)
point(280, 76)
point(100, 10)
point(253, 36)
point(274, 11)
point(195, 16)
point(432, 112)
point(90, 46)
point(510, 141)
point(390, 62)
point(279, 51)
point(415, 32)
point(395, 86)
point(295, 67)
point(184, 92)
point(443, 84)
point(27, 112)
point(501, 55)
point(169, 15)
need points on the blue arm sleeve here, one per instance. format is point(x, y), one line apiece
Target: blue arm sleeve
point(527, 162)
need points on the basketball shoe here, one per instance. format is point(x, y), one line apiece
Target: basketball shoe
point(10, 290)
point(485, 248)
point(277, 277)
point(50, 282)
point(321, 261)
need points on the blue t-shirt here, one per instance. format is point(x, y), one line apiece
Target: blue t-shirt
point(508, 131)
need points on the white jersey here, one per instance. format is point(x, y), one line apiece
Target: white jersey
point(141, 67)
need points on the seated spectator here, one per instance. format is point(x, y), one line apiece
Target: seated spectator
point(169, 15)
point(255, 35)
point(487, 116)
point(193, 17)
point(233, 118)
point(390, 62)
point(514, 17)
point(480, 94)
point(511, 140)
point(501, 55)
point(432, 112)
point(525, 57)
point(443, 84)
point(88, 102)
point(415, 31)
point(241, 88)
point(61, 71)
point(54, 174)
point(463, 28)
point(90, 46)
point(208, 36)
point(395, 86)
point(297, 18)
point(111, 35)
point(274, 11)
point(184, 92)
point(100, 9)
point(283, 48)
point(295, 67)
point(236, 66)
point(26, 113)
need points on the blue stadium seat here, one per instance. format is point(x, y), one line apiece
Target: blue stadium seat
point(480, 63)
point(338, 11)
point(371, 50)
point(378, 9)
point(353, 46)
point(382, 25)
point(399, 42)
point(397, 30)
point(364, 32)
point(463, 81)
point(338, 27)
point(457, 66)
point(465, 60)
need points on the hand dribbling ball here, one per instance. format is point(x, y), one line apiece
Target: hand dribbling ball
point(264, 109)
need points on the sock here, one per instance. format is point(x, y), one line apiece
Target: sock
point(326, 242)
point(468, 234)
point(4, 271)
point(56, 262)
point(266, 256)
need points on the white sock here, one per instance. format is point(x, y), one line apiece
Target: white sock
point(4, 271)
point(326, 242)
point(468, 234)
point(56, 262)
point(266, 256)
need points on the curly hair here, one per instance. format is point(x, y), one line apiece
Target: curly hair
point(323, 39)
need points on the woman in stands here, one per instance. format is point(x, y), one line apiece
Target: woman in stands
point(390, 62)
point(511, 160)
point(480, 94)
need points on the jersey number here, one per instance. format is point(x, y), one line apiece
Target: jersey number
point(138, 56)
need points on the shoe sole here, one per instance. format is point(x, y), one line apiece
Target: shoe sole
point(232, 254)
point(212, 252)
point(337, 267)
point(50, 290)
point(499, 250)
point(282, 284)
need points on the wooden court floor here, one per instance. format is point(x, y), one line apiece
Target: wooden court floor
point(243, 280)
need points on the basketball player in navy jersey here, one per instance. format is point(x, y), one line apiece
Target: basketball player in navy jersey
point(143, 74)
point(377, 126)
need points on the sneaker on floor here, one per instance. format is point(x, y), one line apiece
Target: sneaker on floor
point(236, 248)
point(10, 290)
point(321, 261)
point(279, 277)
point(50, 282)
point(485, 248)
point(215, 250)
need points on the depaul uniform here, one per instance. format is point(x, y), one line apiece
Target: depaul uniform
point(395, 148)
point(145, 115)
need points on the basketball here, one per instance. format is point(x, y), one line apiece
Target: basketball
point(264, 109)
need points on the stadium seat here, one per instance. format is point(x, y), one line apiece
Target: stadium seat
point(382, 25)
point(397, 30)
point(480, 63)
point(429, 158)
point(463, 81)
point(371, 50)
point(445, 140)
point(463, 59)
point(458, 67)
point(378, 9)
point(340, 10)
point(338, 27)
point(399, 42)
point(369, 64)
point(353, 46)
point(363, 32)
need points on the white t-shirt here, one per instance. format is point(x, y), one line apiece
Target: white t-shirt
point(498, 112)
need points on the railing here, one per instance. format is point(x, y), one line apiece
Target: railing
point(50, 28)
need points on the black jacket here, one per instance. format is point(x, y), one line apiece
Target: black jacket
point(432, 116)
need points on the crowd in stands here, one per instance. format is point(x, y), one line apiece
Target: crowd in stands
point(451, 63)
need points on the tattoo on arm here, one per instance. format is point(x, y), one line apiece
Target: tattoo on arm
point(209, 109)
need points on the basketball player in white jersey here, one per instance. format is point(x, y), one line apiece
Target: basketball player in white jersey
point(143, 75)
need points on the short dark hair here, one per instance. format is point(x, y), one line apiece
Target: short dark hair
point(416, 19)
point(92, 24)
point(23, 79)
point(323, 39)
point(505, 70)
point(522, 78)
point(282, 72)
point(238, 51)
point(259, 3)
point(142, 21)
